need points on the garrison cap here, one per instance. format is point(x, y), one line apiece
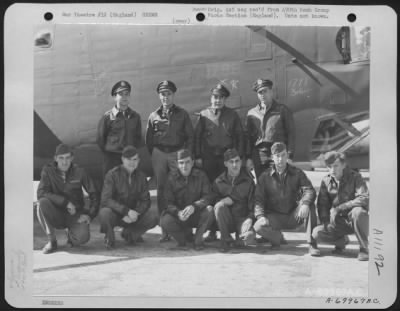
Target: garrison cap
point(129, 152)
point(62, 149)
point(119, 87)
point(183, 154)
point(166, 85)
point(278, 147)
point(332, 156)
point(260, 83)
point(230, 154)
point(220, 90)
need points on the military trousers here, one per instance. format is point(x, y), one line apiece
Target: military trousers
point(200, 219)
point(163, 163)
point(52, 217)
point(277, 222)
point(357, 221)
point(109, 219)
point(228, 223)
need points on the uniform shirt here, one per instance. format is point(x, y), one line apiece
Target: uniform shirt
point(181, 191)
point(217, 133)
point(351, 191)
point(123, 191)
point(171, 129)
point(62, 188)
point(271, 125)
point(282, 195)
point(239, 189)
point(118, 129)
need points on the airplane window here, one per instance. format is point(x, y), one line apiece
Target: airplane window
point(259, 46)
point(360, 43)
point(343, 44)
point(43, 40)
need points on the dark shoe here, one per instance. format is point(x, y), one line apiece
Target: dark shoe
point(165, 238)
point(198, 247)
point(240, 244)
point(211, 237)
point(224, 247)
point(108, 243)
point(363, 255)
point(338, 250)
point(179, 247)
point(275, 247)
point(127, 236)
point(283, 240)
point(50, 247)
point(139, 240)
point(314, 251)
point(262, 240)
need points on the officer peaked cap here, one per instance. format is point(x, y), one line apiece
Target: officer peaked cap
point(119, 87)
point(260, 83)
point(166, 85)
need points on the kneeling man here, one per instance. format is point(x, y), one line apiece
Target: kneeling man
point(188, 197)
point(343, 205)
point(61, 203)
point(234, 193)
point(125, 201)
point(284, 199)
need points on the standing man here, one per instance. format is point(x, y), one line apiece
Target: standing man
point(267, 123)
point(61, 202)
point(119, 127)
point(218, 129)
point(284, 199)
point(168, 129)
point(125, 201)
point(342, 203)
point(234, 193)
point(188, 197)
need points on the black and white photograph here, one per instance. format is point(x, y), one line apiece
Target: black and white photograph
point(204, 161)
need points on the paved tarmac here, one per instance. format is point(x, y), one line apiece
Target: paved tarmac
point(151, 269)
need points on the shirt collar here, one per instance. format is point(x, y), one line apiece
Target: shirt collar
point(288, 170)
point(172, 109)
point(115, 111)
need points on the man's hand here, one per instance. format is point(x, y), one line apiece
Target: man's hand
point(263, 221)
point(247, 224)
point(84, 219)
point(227, 201)
point(127, 219)
point(334, 213)
point(198, 163)
point(71, 208)
point(249, 165)
point(189, 210)
point(133, 215)
point(303, 213)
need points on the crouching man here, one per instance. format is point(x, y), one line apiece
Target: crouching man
point(343, 206)
point(61, 203)
point(188, 198)
point(125, 201)
point(284, 199)
point(234, 193)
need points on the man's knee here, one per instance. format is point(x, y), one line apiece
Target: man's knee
point(105, 214)
point(357, 213)
point(259, 225)
point(79, 234)
point(167, 222)
point(220, 210)
point(152, 218)
point(45, 205)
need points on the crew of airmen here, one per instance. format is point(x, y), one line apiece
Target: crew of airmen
point(204, 180)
